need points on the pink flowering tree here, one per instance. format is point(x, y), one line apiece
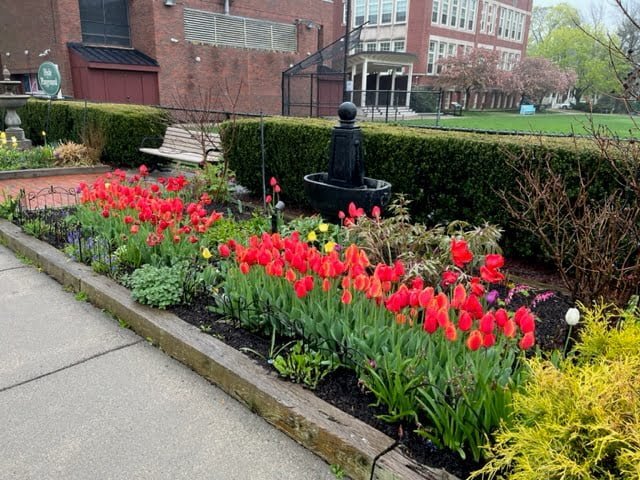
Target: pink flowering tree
point(474, 70)
point(536, 77)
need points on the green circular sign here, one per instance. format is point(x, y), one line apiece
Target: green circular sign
point(49, 78)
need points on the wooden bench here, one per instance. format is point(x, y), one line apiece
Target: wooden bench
point(180, 145)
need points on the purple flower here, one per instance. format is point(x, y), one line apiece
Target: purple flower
point(492, 296)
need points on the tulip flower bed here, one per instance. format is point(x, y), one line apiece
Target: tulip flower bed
point(435, 358)
point(442, 361)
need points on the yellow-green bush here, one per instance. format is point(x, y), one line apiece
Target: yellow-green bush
point(580, 420)
point(609, 333)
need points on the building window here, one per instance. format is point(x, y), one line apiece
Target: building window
point(454, 13)
point(359, 48)
point(445, 12)
point(372, 46)
point(463, 14)
point(359, 11)
point(373, 12)
point(401, 11)
point(472, 10)
point(431, 59)
point(105, 22)
point(435, 12)
point(385, 46)
point(490, 18)
point(398, 46)
point(387, 11)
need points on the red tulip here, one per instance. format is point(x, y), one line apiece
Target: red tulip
point(491, 275)
point(224, 250)
point(347, 297)
point(527, 341)
point(488, 340)
point(493, 261)
point(450, 332)
point(465, 321)
point(449, 277)
point(475, 340)
point(460, 252)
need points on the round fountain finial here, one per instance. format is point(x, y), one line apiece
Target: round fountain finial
point(347, 112)
point(6, 73)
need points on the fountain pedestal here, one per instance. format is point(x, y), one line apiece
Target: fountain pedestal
point(345, 182)
point(10, 100)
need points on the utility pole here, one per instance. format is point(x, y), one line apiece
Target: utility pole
point(347, 29)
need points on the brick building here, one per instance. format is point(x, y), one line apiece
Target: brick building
point(165, 51)
point(404, 41)
point(161, 51)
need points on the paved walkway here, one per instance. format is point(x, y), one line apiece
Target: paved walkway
point(13, 186)
point(83, 398)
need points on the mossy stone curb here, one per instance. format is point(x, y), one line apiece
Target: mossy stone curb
point(322, 428)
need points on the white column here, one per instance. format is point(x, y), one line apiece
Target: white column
point(392, 101)
point(354, 71)
point(377, 101)
point(409, 81)
point(363, 87)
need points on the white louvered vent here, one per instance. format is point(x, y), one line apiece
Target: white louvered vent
point(239, 32)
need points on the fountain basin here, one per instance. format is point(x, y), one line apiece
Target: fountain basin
point(329, 199)
point(13, 101)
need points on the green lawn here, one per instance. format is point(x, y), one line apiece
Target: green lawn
point(555, 122)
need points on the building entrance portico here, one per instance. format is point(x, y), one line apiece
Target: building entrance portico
point(381, 78)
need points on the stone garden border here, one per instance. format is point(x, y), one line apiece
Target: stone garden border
point(322, 428)
point(52, 172)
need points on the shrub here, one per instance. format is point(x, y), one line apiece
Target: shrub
point(580, 420)
point(119, 127)
point(71, 153)
point(159, 287)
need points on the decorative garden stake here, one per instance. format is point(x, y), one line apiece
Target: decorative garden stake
point(345, 182)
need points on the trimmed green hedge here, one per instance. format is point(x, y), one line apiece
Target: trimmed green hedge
point(448, 175)
point(122, 126)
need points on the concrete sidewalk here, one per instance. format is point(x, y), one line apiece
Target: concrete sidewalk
point(81, 397)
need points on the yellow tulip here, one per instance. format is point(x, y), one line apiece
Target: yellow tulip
point(329, 247)
point(323, 227)
point(311, 237)
point(206, 254)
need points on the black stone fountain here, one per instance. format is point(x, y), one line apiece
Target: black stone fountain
point(332, 191)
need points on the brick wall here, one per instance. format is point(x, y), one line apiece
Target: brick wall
point(256, 74)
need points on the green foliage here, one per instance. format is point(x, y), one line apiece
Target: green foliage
point(424, 251)
point(458, 396)
point(159, 287)
point(304, 365)
point(581, 419)
point(14, 159)
point(9, 206)
point(120, 127)
point(227, 228)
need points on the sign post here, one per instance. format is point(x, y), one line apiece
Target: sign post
point(49, 78)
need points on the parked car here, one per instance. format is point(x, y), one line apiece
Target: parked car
point(565, 106)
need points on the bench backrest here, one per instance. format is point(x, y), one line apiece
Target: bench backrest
point(178, 138)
